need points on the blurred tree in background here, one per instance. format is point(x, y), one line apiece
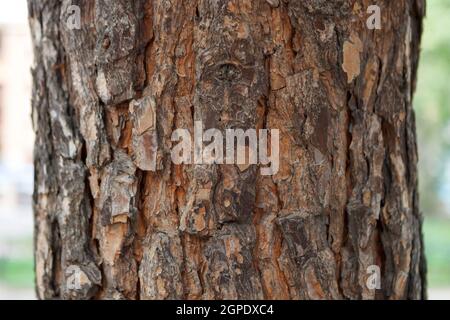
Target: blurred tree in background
point(433, 126)
point(432, 110)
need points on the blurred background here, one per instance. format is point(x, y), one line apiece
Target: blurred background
point(16, 153)
point(432, 105)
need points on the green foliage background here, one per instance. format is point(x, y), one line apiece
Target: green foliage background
point(432, 109)
point(432, 105)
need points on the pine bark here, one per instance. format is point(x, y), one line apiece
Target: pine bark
point(109, 201)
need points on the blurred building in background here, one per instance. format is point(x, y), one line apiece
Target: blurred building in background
point(16, 153)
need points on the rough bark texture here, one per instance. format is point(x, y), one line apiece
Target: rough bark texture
point(109, 201)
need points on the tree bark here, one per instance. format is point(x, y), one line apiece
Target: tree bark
point(110, 203)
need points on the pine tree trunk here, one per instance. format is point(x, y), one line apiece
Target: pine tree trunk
point(111, 206)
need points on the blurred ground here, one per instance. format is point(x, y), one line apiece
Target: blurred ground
point(11, 293)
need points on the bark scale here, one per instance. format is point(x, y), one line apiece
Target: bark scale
point(110, 204)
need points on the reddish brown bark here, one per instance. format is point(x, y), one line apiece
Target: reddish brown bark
point(109, 203)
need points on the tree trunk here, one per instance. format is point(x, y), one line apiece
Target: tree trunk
point(111, 207)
